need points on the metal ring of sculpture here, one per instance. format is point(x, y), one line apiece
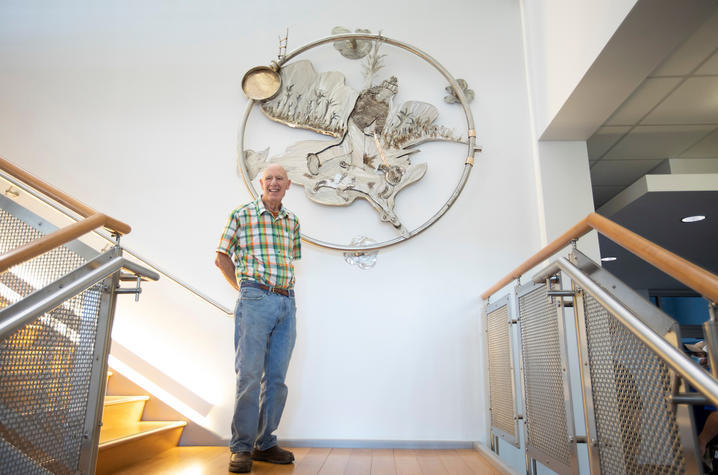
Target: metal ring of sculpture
point(459, 94)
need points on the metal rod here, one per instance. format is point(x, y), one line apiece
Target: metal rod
point(710, 329)
point(74, 215)
point(674, 358)
point(560, 293)
point(140, 270)
point(694, 399)
point(128, 291)
point(98, 377)
point(15, 316)
point(586, 384)
point(44, 300)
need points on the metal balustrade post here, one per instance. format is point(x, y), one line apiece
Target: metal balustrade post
point(98, 378)
point(710, 331)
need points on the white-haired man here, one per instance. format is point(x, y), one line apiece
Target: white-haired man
point(256, 255)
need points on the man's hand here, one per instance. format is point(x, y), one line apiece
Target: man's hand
point(225, 264)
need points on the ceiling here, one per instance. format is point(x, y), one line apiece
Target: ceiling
point(657, 216)
point(673, 114)
point(668, 125)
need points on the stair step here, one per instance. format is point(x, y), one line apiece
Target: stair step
point(121, 411)
point(126, 445)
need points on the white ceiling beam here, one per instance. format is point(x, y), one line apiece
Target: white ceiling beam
point(650, 32)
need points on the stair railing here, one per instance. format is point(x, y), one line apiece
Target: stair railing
point(55, 336)
point(634, 380)
point(92, 220)
point(18, 176)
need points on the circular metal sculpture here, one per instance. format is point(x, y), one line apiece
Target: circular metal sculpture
point(371, 140)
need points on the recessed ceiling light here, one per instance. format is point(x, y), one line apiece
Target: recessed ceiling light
point(693, 219)
point(608, 259)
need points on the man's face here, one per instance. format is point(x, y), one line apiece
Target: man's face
point(274, 183)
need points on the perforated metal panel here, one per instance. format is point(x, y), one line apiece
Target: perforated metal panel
point(46, 365)
point(549, 430)
point(25, 278)
point(501, 375)
point(44, 385)
point(635, 422)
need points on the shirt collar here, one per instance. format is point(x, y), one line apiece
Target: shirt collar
point(263, 209)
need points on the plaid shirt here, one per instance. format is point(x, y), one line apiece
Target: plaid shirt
point(262, 247)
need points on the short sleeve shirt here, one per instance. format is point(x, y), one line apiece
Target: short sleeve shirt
point(262, 247)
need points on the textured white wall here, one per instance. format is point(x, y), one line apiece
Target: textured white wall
point(133, 107)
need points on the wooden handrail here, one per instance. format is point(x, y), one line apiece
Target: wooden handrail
point(50, 241)
point(693, 276)
point(686, 272)
point(578, 230)
point(62, 198)
point(92, 220)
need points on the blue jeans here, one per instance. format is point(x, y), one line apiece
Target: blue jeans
point(264, 335)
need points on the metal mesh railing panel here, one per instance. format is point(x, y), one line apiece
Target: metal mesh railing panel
point(544, 403)
point(44, 383)
point(635, 421)
point(500, 372)
point(25, 278)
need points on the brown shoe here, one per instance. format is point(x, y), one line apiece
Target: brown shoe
point(240, 462)
point(275, 454)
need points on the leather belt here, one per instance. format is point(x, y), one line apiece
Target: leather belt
point(274, 290)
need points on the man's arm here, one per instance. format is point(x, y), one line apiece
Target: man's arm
point(226, 266)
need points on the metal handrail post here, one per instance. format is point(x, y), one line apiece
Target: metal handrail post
point(710, 330)
point(43, 300)
point(96, 392)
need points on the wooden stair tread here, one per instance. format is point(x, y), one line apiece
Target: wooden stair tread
point(110, 400)
point(112, 436)
point(125, 439)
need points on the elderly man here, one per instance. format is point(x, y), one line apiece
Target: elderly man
point(256, 255)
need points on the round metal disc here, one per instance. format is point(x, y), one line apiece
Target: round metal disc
point(261, 83)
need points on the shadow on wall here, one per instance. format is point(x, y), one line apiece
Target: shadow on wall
point(159, 407)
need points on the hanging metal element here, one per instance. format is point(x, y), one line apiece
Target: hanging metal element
point(363, 260)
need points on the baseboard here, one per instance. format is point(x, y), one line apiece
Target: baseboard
point(498, 464)
point(378, 444)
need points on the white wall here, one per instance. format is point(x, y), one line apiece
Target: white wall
point(563, 38)
point(133, 107)
point(566, 186)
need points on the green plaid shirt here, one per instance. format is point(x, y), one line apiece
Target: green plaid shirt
point(262, 247)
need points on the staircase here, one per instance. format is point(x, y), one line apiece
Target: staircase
point(125, 439)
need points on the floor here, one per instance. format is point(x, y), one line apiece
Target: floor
point(325, 461)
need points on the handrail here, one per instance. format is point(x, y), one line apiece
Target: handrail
point(578, 230)
point(62, 198)
point(680, 269)
point(686, 272)
point(49, 241)
point(47, 298)
point(92, 220)
point(672, 356)
point(73, 215)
